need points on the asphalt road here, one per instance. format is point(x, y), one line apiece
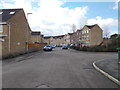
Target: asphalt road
point(57, 69)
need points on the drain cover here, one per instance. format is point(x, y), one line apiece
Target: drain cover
point(43, 86)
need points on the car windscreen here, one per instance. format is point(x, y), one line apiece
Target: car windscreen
point(48, 46)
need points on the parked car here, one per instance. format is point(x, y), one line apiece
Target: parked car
point(59, 45)
point(47, 48)
point(65, 47)
point(53, 46)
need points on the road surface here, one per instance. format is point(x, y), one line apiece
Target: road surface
point(57, 69)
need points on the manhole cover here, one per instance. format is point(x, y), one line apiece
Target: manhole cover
point(43, 86)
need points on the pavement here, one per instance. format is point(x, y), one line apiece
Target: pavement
point(110, 68)
point(26, 56)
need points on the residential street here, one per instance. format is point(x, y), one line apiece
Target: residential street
point(57, 69)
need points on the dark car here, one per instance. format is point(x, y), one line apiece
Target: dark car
point(65, 47)
point(47, 48)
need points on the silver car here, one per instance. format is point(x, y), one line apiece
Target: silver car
point(47, 48)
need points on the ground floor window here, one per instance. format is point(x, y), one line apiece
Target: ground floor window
point(1, 29)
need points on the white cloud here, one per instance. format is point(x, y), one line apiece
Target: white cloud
point(116, 4)
point(52, 19)
point(106, 24)
point(49, 17)
point(55, 19)
point(25, 4)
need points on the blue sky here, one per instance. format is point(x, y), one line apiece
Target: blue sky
point(54, 17)
point(104, 9)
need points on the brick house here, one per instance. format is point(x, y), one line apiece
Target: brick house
point(42, 38)
point(55, 40)
point(15, 32)
point(47, 39)
point(58, 40)
point(91, 35)
point(72, 38)
point(36, 37)
point(67, 39)
point(78, 37)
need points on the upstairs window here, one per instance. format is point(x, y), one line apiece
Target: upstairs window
point(87, 31)
point(1, 12)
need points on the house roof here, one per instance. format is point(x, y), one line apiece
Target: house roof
point(79, 30)
point(70, 33)
point(90, 26)
point(60, 36)
point(36, 33)
point(47, 37)
point(6, 14)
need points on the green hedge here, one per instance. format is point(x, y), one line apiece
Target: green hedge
point(112, 47)
point(96, 48)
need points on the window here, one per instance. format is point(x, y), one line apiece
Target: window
point(83, 32)
point(87, 31)
point(1, 12)
point(1, 28)
point(83, 37)
point(77, 33)
point(12, 12)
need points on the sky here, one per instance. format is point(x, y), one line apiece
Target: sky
point(56, 17)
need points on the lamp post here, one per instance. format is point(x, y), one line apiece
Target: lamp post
point(27, 33)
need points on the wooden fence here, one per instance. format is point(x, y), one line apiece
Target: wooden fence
point(36, 46)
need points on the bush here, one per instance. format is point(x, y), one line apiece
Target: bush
point(110, 48)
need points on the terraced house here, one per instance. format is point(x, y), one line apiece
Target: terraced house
point(14, 32)
point(55, 40)
point(89, 35)
point(36, 37)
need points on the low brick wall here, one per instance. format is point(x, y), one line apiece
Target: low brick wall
point(31, 48)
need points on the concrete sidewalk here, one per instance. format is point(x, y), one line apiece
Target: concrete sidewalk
point(21, 57)
point(109, 68)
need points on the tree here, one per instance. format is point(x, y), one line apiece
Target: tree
point(106, 33)
point(73, 28)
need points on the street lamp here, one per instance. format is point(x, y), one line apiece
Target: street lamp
point(27, 33)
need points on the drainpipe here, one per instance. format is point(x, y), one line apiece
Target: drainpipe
point(9, 37)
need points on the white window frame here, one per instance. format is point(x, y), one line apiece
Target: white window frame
point(1, 12)
point(1, 28)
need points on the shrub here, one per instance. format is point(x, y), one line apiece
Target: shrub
point(110, 48)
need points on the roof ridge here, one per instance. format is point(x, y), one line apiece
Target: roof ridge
point(12, 9)
point(90, 26)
